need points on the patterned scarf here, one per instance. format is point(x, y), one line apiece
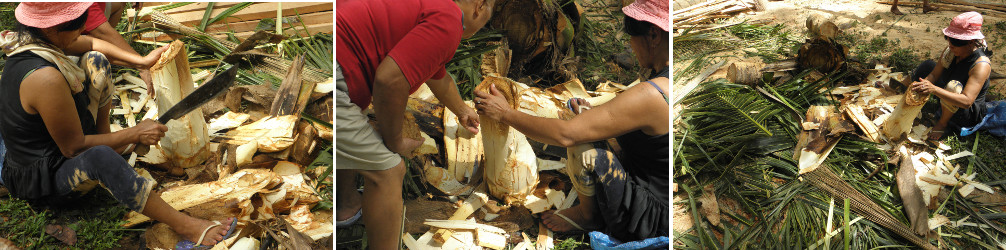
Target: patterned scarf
point(74, 74)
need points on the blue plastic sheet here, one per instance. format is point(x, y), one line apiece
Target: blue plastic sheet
point(601, 241)
point(994, 121)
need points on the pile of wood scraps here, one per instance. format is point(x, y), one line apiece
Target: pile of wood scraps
point(706, 12)
point(249, 161)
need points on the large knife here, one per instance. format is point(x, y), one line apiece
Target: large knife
point(206, 92)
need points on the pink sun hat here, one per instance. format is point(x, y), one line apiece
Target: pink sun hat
point(966, 26)
point(653, 11)
point(48, 14)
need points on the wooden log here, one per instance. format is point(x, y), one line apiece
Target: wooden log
point(474, 202)
point(821, 25)
point(953, 7)
point(900, 122)
point(747, 73)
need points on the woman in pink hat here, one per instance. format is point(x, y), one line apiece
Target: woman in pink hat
point(960, 79)
point(626, 195)
point(55, 119)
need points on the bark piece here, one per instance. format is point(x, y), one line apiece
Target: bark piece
point(911, 195)
point(856, 114)
point(62, 233)
point(241, 186)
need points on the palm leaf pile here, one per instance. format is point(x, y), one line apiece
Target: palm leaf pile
point(744, 188)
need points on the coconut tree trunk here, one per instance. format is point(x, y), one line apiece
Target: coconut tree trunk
point(185, 143)
point(511, 169)
point(900, 122)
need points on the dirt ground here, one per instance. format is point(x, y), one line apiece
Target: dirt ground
point(921, 32)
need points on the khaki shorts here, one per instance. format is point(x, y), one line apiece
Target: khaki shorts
point(357, 144)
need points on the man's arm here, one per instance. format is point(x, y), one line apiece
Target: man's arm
point(391, 92)
point(107, 33)
point(446, 90)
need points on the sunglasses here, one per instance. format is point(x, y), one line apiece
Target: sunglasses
point(956, 42)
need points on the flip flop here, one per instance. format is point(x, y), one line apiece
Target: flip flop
point(189, 245)
point(569, 105)
point(349, 222)
point(934, 142)
point(352, 220)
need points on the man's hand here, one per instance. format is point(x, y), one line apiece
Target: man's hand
point(145, 75)
point(406, 146)
point(470, 120)
point(492, 104)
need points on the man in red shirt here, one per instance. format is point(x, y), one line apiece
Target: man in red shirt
point(101, 21)
point(386, 49)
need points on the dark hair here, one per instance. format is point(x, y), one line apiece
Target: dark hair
point(977, 42)
point(27, 33)
point(635, 27)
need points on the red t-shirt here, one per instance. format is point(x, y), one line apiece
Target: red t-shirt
point(95, 17)
point(421, 35)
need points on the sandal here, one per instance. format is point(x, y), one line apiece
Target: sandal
point(580, 107)
point(189, 245)
point(349, 222)
point(934, 141)
point(574, 224)
point(352, 220)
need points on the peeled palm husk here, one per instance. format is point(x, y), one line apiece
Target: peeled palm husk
point(185, 143)
point(511, 169)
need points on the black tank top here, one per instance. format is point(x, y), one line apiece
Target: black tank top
point(645, 157)
point(32, 154)
point(959, 71)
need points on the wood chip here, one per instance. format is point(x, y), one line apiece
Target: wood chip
point(490, 239)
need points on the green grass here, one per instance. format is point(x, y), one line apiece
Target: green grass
point(98, 224)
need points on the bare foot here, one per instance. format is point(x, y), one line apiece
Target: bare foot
point(578, 214)
point(195, 228)
point(896, 11)
point(926, 8)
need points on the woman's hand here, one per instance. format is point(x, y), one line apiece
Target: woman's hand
point(149, 132)
point(923, 86)
point(492, 104)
